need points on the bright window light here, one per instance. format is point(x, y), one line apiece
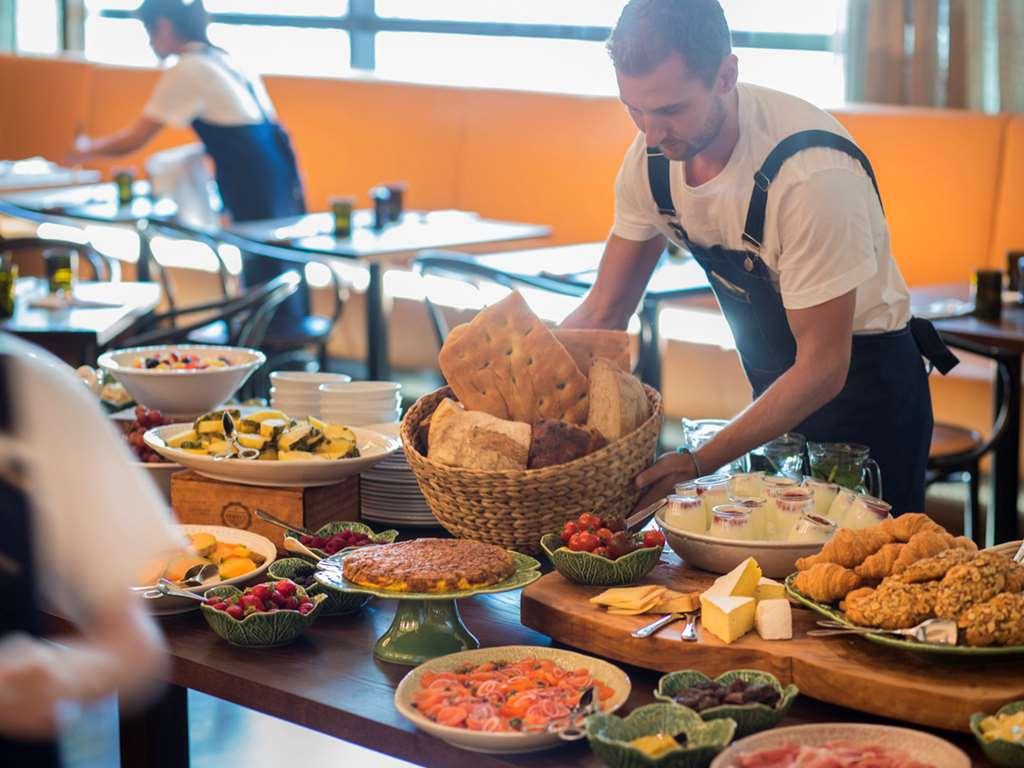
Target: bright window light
point(51, 231)
point(36, 26)
point(231, 258)
point(114, 242)
point(318, 275)
point(184, 254)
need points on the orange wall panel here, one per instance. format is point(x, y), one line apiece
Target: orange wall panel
point(1008, 233)
point(937, 171)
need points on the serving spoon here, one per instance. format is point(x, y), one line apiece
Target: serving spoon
point(934, 631)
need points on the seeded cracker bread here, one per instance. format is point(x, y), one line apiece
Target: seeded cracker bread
point(586, 345)
point(508, 364)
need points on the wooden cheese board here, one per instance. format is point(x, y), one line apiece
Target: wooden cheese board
point(844, 670)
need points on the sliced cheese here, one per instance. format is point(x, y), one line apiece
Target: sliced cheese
point(741, 581)
point(774, 620)
point(727, 618)
point(675, 602)
point(629, 597)
point(769, 589)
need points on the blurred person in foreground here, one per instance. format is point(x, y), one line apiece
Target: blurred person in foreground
point(77, 521)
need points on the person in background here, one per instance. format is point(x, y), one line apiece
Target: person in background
point(780, 208)
point(78, 523)
point(231, 113)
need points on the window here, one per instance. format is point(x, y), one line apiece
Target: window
point(549, 45)
point(36, 26)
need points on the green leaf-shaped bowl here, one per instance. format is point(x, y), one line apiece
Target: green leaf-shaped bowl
point(329, 529)
point(609, 737)
point(260, 630)
point(336, 603)
point(1005, 754)
point(750, 718)
point(596, 571)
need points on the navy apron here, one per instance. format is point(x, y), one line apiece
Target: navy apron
point(258, 178)
point(885, 403)
point(17, 588)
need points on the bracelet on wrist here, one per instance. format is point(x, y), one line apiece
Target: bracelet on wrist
point(693, 458)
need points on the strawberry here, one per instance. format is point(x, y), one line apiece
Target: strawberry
point(235, 612)
point(285, 587)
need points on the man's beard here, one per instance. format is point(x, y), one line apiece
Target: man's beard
point(708, 134)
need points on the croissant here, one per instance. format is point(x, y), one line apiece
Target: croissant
point(922, 545)
point(962, 542)
point(904, 527)
point(879, 565)
point(827, 582)
point(848, 548)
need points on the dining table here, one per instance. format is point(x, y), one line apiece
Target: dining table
point(393, 244)
point(78, 327)
point(38, 173)
point(329, 681)
point(951, 309)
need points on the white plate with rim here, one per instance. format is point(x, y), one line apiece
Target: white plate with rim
point(710, 553)
point(373, 446)
point(168, 605)
point(504, 743)
point(920, 746)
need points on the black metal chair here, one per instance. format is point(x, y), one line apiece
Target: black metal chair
point(956, 451)
point(302, 345)
point(103, 270)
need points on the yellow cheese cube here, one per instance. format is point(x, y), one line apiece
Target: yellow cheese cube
point(741, 581)
point(768, 589)
point(727, 618)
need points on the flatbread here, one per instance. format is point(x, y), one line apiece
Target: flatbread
point(586, 345)
point(508, 364)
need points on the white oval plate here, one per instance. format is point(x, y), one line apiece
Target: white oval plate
point(776, 558)
point(504, 743)
point(166, 605)
point(373, 446)
point(920, 746)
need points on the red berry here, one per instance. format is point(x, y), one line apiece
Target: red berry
point(262, 591)
point(291, 603)
point(286, 587)
point(219, 606)
point(305, 608)
point(605, 535)
point(251, 601)
point(235, 611)
point(211, 600)
point(278, 599)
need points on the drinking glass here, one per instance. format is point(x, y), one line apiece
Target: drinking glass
point(8, 277)
point(61, 266)
point(698, 432)
point(783, 456)
point(846, 464)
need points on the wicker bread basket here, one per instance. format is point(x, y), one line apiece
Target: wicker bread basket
point(514, 508)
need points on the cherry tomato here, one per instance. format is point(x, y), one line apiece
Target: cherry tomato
point(602, 551)
point(575, 542)
point(589, 521)
point(654, 539)
point(588, 541)
point(569, 529)
point(605, 535)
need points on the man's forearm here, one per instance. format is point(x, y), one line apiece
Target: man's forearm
point(798, 393)
point(625, 269)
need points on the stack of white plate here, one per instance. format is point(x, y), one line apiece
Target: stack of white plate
point(359, 403)
point(296, 392)
point(389, 494)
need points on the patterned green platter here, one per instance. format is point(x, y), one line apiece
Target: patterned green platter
point(596, 571)
point(750, 718)
point(895, 641)
point(329, 529)
point(426, 624)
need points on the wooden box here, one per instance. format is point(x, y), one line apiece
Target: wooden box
point(198, 499)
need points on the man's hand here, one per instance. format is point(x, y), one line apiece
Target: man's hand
point(32, 682)
point(658, 481)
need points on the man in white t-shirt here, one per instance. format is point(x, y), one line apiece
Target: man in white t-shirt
point(781, 209)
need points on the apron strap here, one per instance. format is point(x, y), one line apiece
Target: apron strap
point(661, 190)
point(239, 78)
point(753, 230)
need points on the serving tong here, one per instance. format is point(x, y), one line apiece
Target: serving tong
point(934, 631)
point(167, 588)
point(572, 727)
point(234, 450)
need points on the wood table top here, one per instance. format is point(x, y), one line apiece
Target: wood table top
point(130, 302)
point(329, 681)
point(415, 231)
point(1006, 333)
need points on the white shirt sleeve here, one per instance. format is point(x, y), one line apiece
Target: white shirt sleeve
point(633, 211)
point(97, 518)
point(177, 98)
point(827, 243)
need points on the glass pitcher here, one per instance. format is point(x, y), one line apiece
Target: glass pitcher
point(846, 464)
point(782, 457)
point(698, 432)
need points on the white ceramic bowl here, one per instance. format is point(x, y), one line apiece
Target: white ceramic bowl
point(503, 743)
point(305, 381)
point(922, 747)
point(357, 398)
point(709, 553)
point(373, 447)
point(182, 392)
point(350, 419)
point(259, 544)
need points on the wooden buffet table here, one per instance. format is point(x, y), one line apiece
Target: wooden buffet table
point(329, 681)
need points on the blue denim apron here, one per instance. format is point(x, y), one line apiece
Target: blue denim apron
point(885, 403)
point(258, 178)
point(17, 589)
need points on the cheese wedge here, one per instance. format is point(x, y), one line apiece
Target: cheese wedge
point(768, 589)
point(741, 581)
point(727, 618)
point(629, 597)
point(774, 620)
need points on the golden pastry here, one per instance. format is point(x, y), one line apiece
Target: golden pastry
point(827, 582)
point(922, 545)
point(894, 605)
point(879, 565)
point(848, 548)
point(934, 567)
point(999, 621)
point(904, 527)
point(969, 584)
